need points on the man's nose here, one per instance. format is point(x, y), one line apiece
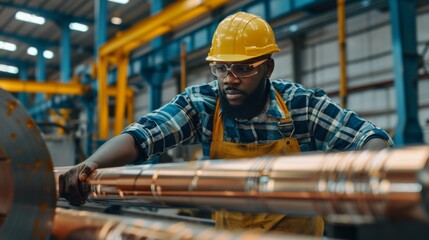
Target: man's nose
point(231, 79)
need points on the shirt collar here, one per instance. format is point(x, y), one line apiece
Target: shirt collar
point(274, 110)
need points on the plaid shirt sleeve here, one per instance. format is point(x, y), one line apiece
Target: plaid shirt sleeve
point(321, 124)
point(176, 123)
point(335, 128)
point(173, 124)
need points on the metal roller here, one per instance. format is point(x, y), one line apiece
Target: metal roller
point(27, 185)
point(351, 187)
point(72, 224)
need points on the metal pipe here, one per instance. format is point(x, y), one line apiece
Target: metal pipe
point(347, 187)
point(341, 15)
point(72, 224)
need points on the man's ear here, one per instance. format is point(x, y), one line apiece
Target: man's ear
point(270, 67)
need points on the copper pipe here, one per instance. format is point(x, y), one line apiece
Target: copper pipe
point(361, 186)
point(72, 224)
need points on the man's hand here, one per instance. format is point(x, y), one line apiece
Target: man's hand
point(72, 183)
point(116, 152)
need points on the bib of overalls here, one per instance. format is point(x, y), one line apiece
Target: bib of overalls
point(220, 149)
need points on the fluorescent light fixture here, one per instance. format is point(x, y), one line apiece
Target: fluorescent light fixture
point(78, 27)
point(119, 1)
point(28, 17)
point(33, 52)
point(7, 46)
point(293, 28)
point(8, 69)
point(116, 20)
point(48, 54)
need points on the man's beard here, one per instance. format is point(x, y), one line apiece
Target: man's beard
point(251, 107)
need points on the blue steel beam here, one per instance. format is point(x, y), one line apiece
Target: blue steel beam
point(155, 77)
point(403, 21)
point(100, 12)
point(65, 54)
point(40, 71)
point(23, 76)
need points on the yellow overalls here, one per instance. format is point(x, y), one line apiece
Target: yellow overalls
point(264, 222)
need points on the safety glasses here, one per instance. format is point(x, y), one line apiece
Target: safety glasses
point(240, 70)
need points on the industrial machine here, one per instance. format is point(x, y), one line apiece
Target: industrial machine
point(361, 194)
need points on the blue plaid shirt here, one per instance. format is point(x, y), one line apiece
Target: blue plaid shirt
point(319, 124)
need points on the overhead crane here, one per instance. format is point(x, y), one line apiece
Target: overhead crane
point(116, 52)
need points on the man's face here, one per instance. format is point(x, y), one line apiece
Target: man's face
point(243, 96)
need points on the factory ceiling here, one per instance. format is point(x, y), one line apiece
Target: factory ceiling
point(17, 36)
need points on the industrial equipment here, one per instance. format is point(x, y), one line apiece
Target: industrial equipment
point(28, 196)
point(356, 188)
point(350, 187)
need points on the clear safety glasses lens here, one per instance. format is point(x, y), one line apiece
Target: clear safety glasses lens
point(239, 70)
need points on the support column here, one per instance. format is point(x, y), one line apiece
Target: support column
point(155, 7)
point(404, 45)
point(155, 77)
point(297, 58)
point(65, 54)
point(100, 9)
point(23, 76)
point(155, 93)
point(40, 77)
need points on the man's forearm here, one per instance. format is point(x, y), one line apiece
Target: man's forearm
point(375, 144)
point(118, 151)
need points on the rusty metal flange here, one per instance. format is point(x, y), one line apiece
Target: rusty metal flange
point(27, 185)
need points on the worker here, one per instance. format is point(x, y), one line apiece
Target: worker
point(241, 114)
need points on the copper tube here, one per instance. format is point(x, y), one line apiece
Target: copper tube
point(360, 186)
point(72, 224)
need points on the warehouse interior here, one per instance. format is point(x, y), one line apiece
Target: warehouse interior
point(81, 71)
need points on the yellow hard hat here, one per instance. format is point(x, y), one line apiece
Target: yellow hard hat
point(242, 36)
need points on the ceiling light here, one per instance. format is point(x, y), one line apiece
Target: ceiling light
point(28, 17)
point(8, 69)
point(48, 54)
point(119, 1)
point(7, 46)
point(116, 20)
point(32, 51)
point(78, 27)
